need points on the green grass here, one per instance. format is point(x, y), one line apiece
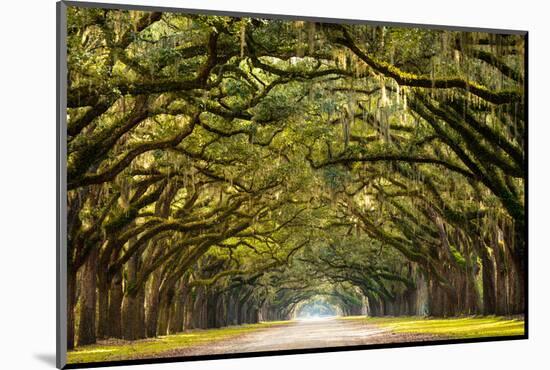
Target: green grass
point(150, 347)
point(462, 327)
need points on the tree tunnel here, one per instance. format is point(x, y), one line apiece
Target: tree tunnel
point(224, 171)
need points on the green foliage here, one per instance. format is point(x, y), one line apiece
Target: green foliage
point(458, 257)
point(301, 161)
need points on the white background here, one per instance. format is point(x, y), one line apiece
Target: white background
point(27, 182)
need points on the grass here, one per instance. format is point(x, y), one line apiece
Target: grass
point(461, 327)
point(146, 348)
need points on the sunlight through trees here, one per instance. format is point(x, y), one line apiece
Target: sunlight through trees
point(226, 170)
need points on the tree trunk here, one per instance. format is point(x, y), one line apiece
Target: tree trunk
point(436, 299)
point(71, 303)
point(176, 316)
point(518, 256)
point(211, 305)
point(231, 309)
point(517, 282)
point(472, 269)
point(115, 307)
point(166, 303)
point(86, 326)
point(131, 323)
point(221, 311)
point(152, 312)
point(501, 292)
point(103, 306)
point(164, 316)
point(200, 309)
point(188, 310)
point(133, 318)
point(141, 332)
point(488, 280)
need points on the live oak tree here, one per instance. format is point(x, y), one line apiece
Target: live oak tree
point(227, 170)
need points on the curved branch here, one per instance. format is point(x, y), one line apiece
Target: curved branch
point(409, 79)
point(110, 173)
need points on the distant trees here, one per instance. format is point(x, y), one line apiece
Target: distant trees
point(223, 170)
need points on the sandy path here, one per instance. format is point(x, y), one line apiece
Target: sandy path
point(301, 334)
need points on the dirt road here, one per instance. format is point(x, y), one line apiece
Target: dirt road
point(329, 332)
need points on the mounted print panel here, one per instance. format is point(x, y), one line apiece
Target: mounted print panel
point(240, 185)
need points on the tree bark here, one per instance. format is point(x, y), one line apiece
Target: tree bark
point(103, 305)
point(152, 312)
point(518, 256)
point(71, 303)
point(488, 280)
point(177, 309)
point(231, 309)
point(133, 318)
point(188, 310)
point(115, 307)
point(211, 310)
point(131, 323)
point(199, 306)
point(87, 321)
point(501, 293)
point(103, 313)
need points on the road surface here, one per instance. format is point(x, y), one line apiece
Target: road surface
point(301, 334)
